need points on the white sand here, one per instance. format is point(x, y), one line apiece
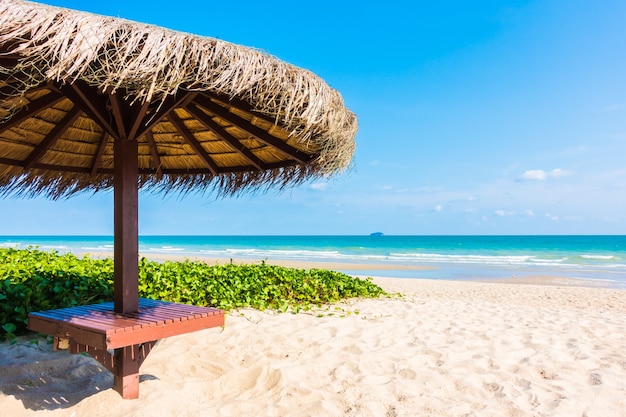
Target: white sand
point(446, 349)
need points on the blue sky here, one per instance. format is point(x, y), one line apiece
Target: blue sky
point(476, 117)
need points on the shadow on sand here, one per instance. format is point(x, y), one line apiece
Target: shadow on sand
point(46, 380)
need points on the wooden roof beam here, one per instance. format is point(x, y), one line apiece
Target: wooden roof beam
point(156, 159)
point(96, 160)
point(12, 162)
point(127, 117)
point(162, 109)
point(240, 104)
point(52, 137)
point(118, 115)
point(8, 61)
point(222, 134)
point(250, 129)
point(137, 118)
point(31, 109)
point(191, 140)
point(91, 102)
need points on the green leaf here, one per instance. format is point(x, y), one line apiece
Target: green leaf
point(9, 327)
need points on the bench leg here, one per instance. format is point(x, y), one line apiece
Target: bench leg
point(126, 363)
point(126, 375)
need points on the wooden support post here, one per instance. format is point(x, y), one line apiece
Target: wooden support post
point(126, 212)
point(126, 375)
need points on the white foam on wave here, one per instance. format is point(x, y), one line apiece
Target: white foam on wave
point(598, 256)
point(471, 259)
point(55, 247)
point(96, 248)
point(301, 254)
point(621, 266)
point(549, 261)
point(165, 249)
point(13, 245)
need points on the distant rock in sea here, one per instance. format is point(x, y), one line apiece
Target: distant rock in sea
point(377, 234)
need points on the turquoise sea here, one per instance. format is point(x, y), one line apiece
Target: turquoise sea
point(598, 258)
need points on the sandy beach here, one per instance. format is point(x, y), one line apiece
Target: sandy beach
point(443, 348)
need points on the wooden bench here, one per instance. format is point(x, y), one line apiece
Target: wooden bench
point(96, 329)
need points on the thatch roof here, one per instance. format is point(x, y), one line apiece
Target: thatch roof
point(206, 114)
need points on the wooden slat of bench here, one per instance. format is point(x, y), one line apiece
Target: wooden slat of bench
point(103, 313)
point(82, 319)
point(187, 308)
point(99, 326)
point(92, 320)
point(97, 316)
point(153, 311)
point(101, 316)
point(171, 313)
point(106, 309)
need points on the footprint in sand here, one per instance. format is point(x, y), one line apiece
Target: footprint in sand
point(595, 379)
point(494, 388)
point(407, 373)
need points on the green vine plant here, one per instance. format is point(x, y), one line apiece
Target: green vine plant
point(35, 280)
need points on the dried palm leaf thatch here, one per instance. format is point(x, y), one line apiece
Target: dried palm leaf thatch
point(206, 114)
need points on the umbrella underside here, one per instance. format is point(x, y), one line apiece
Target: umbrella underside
point(58, 131)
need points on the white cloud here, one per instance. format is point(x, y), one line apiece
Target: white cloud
point(502, 213)
point(438, 207)
point(529, 213)
point(319, 186)
point(541, 175)
point(552, 216)
point(559, 173)
point(535, 174)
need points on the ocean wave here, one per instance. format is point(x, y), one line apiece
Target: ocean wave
point(481, 259)
point(616, 266)
point(598, 256)
point(54, 247)
point(164, 249)
point(13, 245)
point(272, 253)
point(549, 261)
point(97, 248)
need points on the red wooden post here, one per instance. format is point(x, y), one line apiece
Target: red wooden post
point(126, 375)
point(126, 242)
point(126, 212)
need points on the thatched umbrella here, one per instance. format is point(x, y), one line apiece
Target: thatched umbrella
point(89, 103)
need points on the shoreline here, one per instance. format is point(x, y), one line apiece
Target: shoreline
point(290, 263)
point(356, 269)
